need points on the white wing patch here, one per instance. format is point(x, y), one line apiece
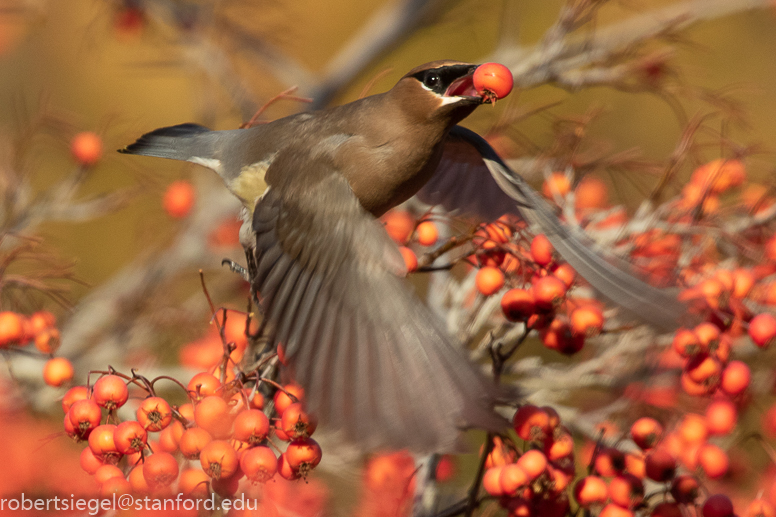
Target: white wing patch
point(210, 163)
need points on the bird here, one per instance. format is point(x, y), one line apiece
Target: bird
point(377, 366)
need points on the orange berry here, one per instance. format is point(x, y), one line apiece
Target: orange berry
point(761, 508)
point(693, 429)
point(735, 378)
point(566, 274)
point(11, 329)
point(154, 414)
point(160, 470)
point(251, 426)
point(531, 423)
point(517, 304)
point(219, 459)
point(399, 225)
point(86, 148)
point(204, 384)
point(743, 281)
point(106, 472)
point(542, 250)
point(427, 233)
point(282, 401)
point(713, 460)
point(646, 432)
point(170, 437)
point(500, 455)
point(591, 193)
point(259, 464)
point(493, 81)
point(590, 490)
point(130, 437)
point(47, 340)
point(58, 371)
point(89, 462)
point(586, 321)
point(194, 483)
point(609, 462)
point(762, 330)
point(110, 392)
point(410, 259)
point(297, 423)
point(512, 478)
point(533, 462)
point(179, 199)
point(549, 292)
point(660, 465)
point(686, 343)
point(721, 417)
point(303, 454)
point(561, 446)
point(73, 395)
point(719, 175)
point(626, 491)
point(557, 184)
point(614, 510)
point(491, 481)
point(489, 280)
point(685, 489)
point(192, 441)
point(558, 336)
point(704, 369)
point(212, 415)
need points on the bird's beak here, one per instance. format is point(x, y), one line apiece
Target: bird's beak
point(464, 87)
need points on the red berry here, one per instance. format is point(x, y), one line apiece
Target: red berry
point(548, 292)
point(427, 233)
point(718, 505)
point(721, 417)
point(410, 259)
point(735, 378)
point(493, 80)
point(542, 250)
point(590, 490)
point(179, 199)
point(110, 392)
point(160, 470)
point(646, 432)
point(762, 330)
point(517, 304)
point(489, 280)
point(86, 148)
point(58, 371)
point(259, 464)
point(660, 465)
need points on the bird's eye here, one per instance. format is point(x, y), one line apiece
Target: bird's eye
point(432, 80)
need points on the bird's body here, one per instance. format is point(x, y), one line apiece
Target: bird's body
point(375, 362)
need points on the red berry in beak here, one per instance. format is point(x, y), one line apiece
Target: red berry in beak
point(493, 81)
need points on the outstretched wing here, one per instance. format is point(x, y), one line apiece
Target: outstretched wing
point(473, 178)
point(373, 360)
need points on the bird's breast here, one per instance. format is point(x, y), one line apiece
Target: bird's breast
point(386, 175)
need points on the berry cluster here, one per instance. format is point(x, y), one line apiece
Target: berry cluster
point(40, 328)
point(219, 437)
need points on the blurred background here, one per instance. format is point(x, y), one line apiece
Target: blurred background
point(122, 68)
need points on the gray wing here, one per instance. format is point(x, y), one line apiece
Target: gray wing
point(373, 360)
point(473, 178)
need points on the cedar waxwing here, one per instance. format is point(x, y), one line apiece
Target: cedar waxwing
point(374, 362)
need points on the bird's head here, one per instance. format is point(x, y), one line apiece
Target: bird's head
point(441, 91)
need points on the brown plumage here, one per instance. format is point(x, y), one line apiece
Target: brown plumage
point(375, 362)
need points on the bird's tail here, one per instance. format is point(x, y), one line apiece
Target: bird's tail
point(187, 142)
